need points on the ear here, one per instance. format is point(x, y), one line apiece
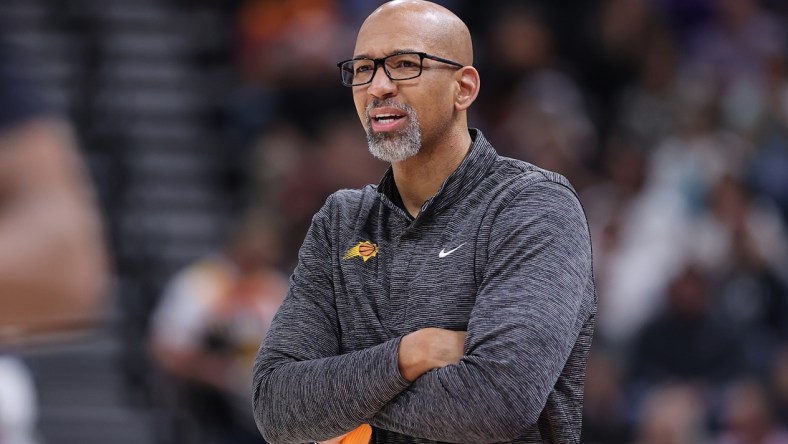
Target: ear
point(468, 82)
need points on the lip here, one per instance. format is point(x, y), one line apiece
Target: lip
point(394, 124)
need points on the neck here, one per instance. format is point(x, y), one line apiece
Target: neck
point(421, 176)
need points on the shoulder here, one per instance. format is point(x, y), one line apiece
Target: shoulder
point(348, 201)
point(538, 207)
point(344, 207)
point(348, 197)
point(525, 174)
point(522, 183)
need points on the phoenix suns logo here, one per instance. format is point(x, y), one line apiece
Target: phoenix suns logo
point(365, 250)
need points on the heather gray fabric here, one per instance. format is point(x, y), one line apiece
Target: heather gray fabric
point(517, 277)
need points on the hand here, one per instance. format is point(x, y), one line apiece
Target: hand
point(429, 348)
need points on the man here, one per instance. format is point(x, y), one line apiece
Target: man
point(452, 302)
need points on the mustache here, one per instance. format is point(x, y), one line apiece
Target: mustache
point(377, 103)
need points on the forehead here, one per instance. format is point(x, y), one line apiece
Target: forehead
point(382, 36)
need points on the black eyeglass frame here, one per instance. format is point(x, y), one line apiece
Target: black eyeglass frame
point(382, 62)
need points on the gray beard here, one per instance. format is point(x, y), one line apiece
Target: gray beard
point(394, 147)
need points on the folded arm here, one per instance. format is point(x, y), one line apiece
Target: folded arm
point(526, 320)
point(304, 390)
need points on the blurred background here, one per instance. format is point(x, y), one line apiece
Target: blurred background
point(212, 130)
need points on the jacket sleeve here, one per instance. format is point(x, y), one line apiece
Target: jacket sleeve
point(527, 317)
point(304, 390)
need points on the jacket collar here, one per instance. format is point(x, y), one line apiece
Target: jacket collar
point(458, 185)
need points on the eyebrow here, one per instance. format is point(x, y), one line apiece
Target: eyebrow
point(395, 52)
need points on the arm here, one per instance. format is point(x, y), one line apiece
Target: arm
point(304, 390)
point(52, 260)
point(420, 352)
point(527, 317)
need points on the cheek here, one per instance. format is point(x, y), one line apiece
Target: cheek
point(440, 101)
point(436, 110)
point(361, 107)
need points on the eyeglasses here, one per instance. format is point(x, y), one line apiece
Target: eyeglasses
point(399, 66)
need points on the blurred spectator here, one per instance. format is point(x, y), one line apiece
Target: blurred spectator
point(745, 250)
point(651, 108)
point(749, 417)
point(610, 206)
point(52, 259)
point(657, 236)
point(737, 44)
point(769, 162)
point(615, 37)
point(732, 54)
point(605, 415)
point(518, 44)
point(287, 59)
point(688, 164)
point(636, 228)
point(291, 42)
point(548, 126)
point(672, 414)
point(684, 342)
point(209, 324)
point(536, 112)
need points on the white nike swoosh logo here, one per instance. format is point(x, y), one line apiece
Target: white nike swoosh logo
point(444, 253)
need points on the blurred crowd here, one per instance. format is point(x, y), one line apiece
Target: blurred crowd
point(670, 117)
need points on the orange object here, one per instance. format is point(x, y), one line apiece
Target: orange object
point(360, 435)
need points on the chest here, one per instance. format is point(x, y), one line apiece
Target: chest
point(397, 276)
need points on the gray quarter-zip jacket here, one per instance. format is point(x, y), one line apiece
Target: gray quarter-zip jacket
point(502, 251)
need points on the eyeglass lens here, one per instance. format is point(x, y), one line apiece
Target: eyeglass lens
point(397, 66)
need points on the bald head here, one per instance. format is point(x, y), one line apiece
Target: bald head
point(436, 28)
point(425, 113)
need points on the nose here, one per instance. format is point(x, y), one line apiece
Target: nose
point(382, 86)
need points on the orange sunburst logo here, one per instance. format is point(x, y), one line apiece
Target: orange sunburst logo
point(365, 250)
